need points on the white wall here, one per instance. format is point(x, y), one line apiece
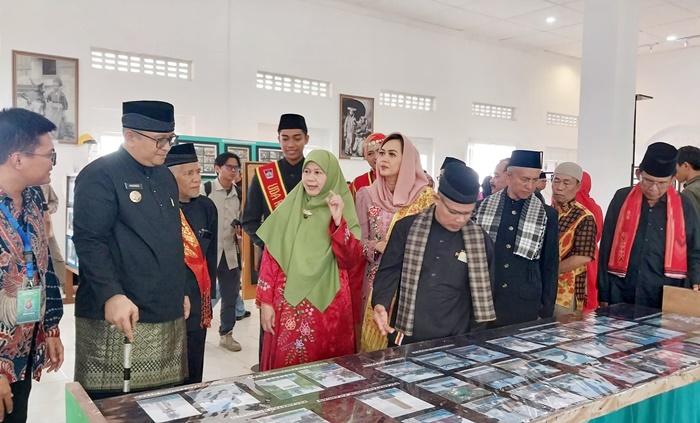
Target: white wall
point(230, 40)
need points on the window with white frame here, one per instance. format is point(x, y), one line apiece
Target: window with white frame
point(483, 158)
point(557, 119)
point(110, 143)
point(493, 111)
point(406, 101)
point(292, 84)
point(120, 61)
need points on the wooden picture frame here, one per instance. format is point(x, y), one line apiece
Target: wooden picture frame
point(269, 154)
point(48, 85)
point(250, 253)
point(206, 155)
point(242, 151)
point(356, 122)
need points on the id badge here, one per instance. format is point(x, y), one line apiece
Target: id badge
point(29, 305)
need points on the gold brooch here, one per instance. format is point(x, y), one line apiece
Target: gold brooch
point(306, 213)
point(135, 196)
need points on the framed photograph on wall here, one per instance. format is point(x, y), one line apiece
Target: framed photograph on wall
point(242, 151)
point(356, 122)
point(48, 85)
point(206, 154)
point(267, 154)
point(71, 256)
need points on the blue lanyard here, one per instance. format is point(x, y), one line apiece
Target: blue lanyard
point(28, 254)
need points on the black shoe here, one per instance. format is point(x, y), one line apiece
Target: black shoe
point(246, 314)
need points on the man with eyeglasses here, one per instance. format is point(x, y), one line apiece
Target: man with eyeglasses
point(657, 242)
point(439, 265)
point(224, 193)
point(525, 233)
point(30, 300)
point(128, 235)
point(577, 238)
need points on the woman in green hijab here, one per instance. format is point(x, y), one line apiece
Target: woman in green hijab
point(308, 274)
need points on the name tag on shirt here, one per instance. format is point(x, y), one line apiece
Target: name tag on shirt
point(132, 186)
point(29, 305)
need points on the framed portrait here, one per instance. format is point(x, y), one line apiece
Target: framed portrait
point(48, 85)
point(356, 122)
point(242, 151)
point(206, 155)
point(250, 253)
point(266, 154)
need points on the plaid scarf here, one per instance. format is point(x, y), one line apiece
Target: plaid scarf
point(479, 277)
point(530, 235)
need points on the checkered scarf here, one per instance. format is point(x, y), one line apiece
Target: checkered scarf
point(479, 277)
point(530, 235)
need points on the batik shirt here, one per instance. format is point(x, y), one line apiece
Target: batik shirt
point(25, 344)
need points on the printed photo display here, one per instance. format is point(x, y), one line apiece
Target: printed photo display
point(288, 386)
point(443, 361)
point(331, 374)
point(454, 389)
point(394, 402)
point(409, 372)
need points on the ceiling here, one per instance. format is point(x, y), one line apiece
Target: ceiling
point(522, 24)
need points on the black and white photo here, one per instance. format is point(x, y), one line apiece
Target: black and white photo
point(356, 122)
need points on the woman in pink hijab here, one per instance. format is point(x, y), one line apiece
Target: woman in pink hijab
point(584, 197)
point(401, 189)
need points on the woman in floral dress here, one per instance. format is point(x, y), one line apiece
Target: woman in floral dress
point(401, 189)
point(306, 284)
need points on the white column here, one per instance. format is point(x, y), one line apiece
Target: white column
point(608, 81)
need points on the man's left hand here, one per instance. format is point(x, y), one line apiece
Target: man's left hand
point(187, 306)
point(54, 353)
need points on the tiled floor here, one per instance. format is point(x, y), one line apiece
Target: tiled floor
point(47, 400)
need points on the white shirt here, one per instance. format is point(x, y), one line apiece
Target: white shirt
point(228, 207)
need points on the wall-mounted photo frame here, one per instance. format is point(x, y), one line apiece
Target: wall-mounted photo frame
point(242, 151)
point(356, 122)
point(48, 85)
point(206, 154)
point(268, 154)
point(71, 256)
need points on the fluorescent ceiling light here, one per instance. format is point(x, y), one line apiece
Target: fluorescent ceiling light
point(551, 19)
point(671, 38)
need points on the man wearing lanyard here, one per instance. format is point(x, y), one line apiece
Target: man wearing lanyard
point(30, 300)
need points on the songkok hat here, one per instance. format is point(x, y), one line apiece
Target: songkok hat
point(292, 121)
point(181, 154)
point(449, 160)
point(543, 175)
point(570, 169)
point(459, 183)
point(526, 158)
point(151, 116)
point(373, 141)
point(660, 160)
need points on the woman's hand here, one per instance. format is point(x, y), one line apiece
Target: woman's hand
point(335, 203)
point(267, 318)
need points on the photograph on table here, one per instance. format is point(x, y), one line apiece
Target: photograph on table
point(409, 372)
point(642, 339)
point(611, 322)
point(443, 361)
point(542, 338)
point(683, 347)
point(527, 368)
point(287, 386)
point(356, 122)
point(269, 154)
point(71, 256)
point(300, 415)
point(549, 396)
point(505, 409)
point(477, 353)
point(587, 326)
point(439, 416)
point(455, 390)
point(48, 85)
point(394, 402)
point(206, 155)
point(615, 371)
point(591, 347)
point(658, 361)
point(221, 397)
point(568, 333)
point(568, 358)
point(514, 344)
point(492, 377)
point(168, 408)
point(618, 344)
point(331, 374)
point(675, 321)
point(69, 221)
point(592, 386)
point(657, 332)
point(242, 151)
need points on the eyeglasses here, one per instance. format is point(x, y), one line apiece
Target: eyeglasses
point(231, 168)
point(160, 142)
point(661, 185)
point(51, 156)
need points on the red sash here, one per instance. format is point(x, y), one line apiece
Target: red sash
point(363, 180)
point(272, 185)
point(675, 256)
point(194, 259)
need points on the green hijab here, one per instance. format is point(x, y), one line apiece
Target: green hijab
point(302, 246)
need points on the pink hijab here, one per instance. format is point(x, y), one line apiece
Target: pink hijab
point(409, 184)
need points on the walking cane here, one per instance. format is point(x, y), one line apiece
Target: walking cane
point(127, 365)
